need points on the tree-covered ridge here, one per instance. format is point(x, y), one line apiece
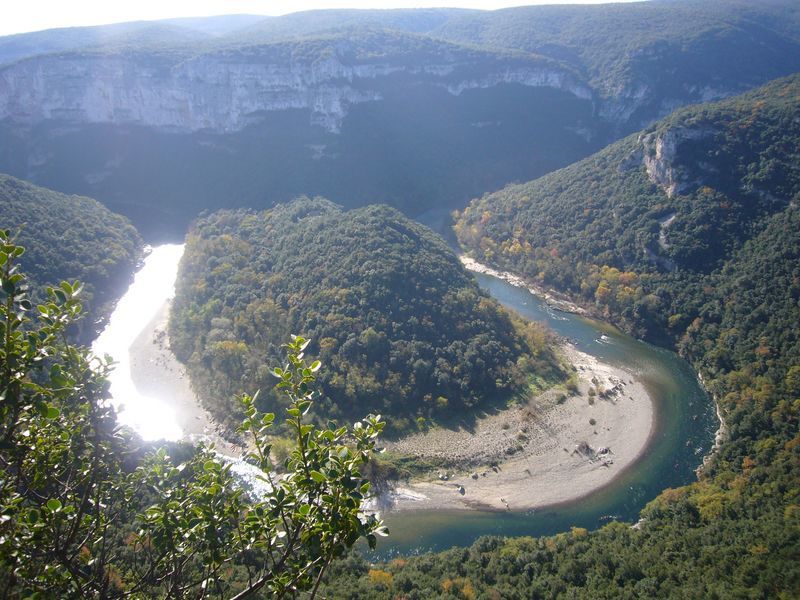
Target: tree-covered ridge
point(351, 46)
point(313, 22)
point(655, 50)
point(364, 45)
point(203, 33)
point(403, 327)
point(632, 226)
point(69, 238)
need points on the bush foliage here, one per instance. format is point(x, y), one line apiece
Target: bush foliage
point(82, 517)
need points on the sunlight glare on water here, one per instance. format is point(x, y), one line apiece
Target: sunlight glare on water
point(152, 418)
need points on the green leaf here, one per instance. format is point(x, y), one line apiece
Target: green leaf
point(54, 505)
point(317, 476)
point(57, 377)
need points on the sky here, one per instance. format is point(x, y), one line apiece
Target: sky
point(19, 16)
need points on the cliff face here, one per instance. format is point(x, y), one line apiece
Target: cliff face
point(224, 93)
point(551, 78)
point(659, 152)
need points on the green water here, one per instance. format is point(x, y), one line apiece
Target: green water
point(684, 431)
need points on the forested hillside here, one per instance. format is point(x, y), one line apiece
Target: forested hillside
point(641, 228)
point(401, 326)
point(736, 532)
point(69, 238)
point(412, 108)
point(646, 58)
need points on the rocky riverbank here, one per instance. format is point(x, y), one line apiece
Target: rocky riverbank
point(551, 297)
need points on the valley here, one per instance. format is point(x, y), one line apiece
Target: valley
point(555, 248)
point(377, 107)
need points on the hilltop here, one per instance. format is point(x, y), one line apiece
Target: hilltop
point(402, 328)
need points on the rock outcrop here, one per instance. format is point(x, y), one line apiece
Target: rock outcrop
point(659, 151)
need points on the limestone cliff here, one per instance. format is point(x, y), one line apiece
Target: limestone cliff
point(223, 92)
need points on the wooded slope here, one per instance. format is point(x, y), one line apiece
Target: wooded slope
point(70, 237)
point(400, 325)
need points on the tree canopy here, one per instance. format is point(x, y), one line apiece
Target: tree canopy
point(640, 228)
point(405, 329)
point(67, 238)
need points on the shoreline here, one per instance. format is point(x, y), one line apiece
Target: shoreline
point(720, 436)
point(552, 298)
point(563, 303)
point(559, 454)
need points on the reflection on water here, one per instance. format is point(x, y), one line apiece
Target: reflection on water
point(152, 418)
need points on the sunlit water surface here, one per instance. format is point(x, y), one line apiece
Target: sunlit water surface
point(152, 418)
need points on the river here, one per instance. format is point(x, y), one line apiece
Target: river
point(683, 431)
point(150, 415)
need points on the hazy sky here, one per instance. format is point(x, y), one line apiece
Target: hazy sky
point(18, 16)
